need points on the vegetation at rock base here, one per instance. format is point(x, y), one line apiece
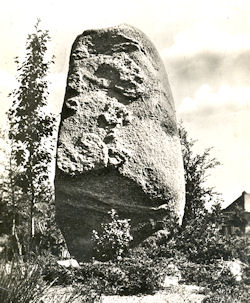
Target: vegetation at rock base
point(199, 251)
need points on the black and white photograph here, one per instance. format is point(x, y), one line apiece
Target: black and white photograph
point(125, 151)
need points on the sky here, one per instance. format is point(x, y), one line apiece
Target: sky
point(205, 46)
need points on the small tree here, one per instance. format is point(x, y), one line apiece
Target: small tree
point(200, 237)
point(196, 167)
point(31, 126)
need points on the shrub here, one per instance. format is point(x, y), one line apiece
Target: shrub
point(140, 277)
point(201, 241)
point(113, 239)
point(59, 275)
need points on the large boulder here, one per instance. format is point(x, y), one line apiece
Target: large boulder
point(118, 143)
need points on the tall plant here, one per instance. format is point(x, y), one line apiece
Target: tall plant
point(31, 126)
point(196, 168)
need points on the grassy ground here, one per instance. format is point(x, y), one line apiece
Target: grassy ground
point(176, 294)
point(24, 282)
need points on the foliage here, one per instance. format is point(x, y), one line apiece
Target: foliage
point(238, 294)
point(113, 239)
point(130, 276)
point(48, 237)
point(85, 281)
point(200, 237)
point(10, 196)
point(61, 275)
point(142, 273)
point(216, 280)
point(29, 123)
point(196, 167)
point(30, 134)
point(139, 274)
point(21, 282)
point(203, 241)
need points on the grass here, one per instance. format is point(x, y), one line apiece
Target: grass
point(21, 282)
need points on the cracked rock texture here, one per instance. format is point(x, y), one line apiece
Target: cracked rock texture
point(118, 144)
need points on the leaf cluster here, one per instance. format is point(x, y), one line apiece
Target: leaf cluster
point(113, 239)
point(21, 282)
point(30, 125)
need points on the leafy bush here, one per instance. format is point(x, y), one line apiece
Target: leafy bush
point(201, 241)
point(213, 275)
point(113, 239)
point(128, 277)
point(139, 277)
point(196, 172)
point(59, 275)
point(204, 243)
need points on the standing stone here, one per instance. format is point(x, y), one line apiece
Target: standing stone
point(118, 143)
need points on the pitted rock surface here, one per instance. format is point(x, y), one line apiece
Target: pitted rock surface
point(118, 144)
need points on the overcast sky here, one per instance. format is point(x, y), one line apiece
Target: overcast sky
point(205, 46)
